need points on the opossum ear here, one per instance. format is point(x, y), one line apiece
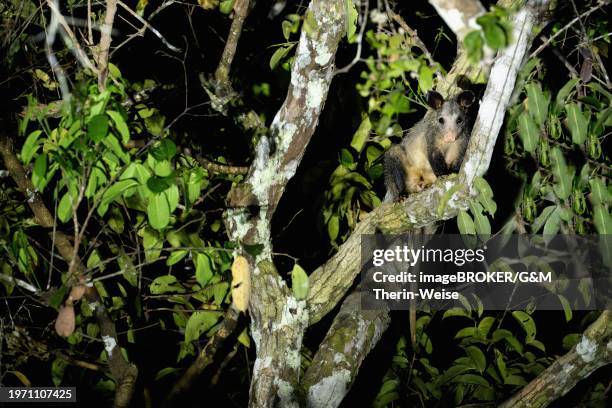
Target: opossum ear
point(434, 99)
point(465, 98)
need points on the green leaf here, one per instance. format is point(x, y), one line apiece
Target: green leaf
point(127, 267)
point(30, 146)
point(114, 70)
point(351, 21)
point(220, 290)
point(467, 332)
point(564, 176)
point(333, 227)
point(465, 223)
point(603, 119)
point(425, 78)
point(58, 367)
point(373, 152)
point(599, 192)
point(485, 196)
point(141, 173)
point(477, 357)
point(114, 192)
point(494, 33)
point(163, 168)
point(158, 211)
point(165, 284)
point(561, 99)
point(300, 283)
point(176, 256)
point(537, 103)
point(346, 159)
point(151, 243)
point(485, 325)
point(113, 144)
point(200, 322)
point(542, 218)
point(287, 27)
point(506, 335)
point(456, 311)
point(97, 127)
point(528, 132)
point(158, 184)
point(473, 43)
point(537, 344)
point(203, 271)
point(120, 125)
point(226, 6)
point(166, 371)
point(165, 149)
point(483, 187)
point(527, 323)
point(481, 222)
point(501, 364)
point(361, 135)
point(576, 122)
point(39, 172)
point(115, 220)
point(244, 338)
point(571, 340)
point(194, 185)
point(551, 227)
point(64, 208)
point(172, 195)
point(567, 309)
point(279, 54)
point(602, 220)
point(471, 379)
point(94, 261)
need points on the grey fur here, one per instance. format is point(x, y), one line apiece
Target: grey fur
point(434, 146)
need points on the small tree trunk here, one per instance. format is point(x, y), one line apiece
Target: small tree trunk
point(278, 339)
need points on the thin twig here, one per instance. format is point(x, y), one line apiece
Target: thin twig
point(72, 43)
point(146, 24)
point(567, 26)
point(413, 35)
point(364, 23)
point(241, 10)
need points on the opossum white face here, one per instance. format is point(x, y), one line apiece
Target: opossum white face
point(449, 116)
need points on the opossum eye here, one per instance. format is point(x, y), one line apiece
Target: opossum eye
point(459, 120)
point(441, 120)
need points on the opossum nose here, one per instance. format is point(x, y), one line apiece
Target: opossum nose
point(450, 137)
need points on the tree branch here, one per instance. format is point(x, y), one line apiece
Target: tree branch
point(352, 336)
point(593, 351)
point(105, 42)
point(205, 357)
point(278, 320)
point(459, 15)
point(241, 10)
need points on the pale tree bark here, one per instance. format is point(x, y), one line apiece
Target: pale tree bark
point(278, 320)
point(459, 15)
point(352, 336)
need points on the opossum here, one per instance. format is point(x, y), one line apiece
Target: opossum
point(433, 147)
